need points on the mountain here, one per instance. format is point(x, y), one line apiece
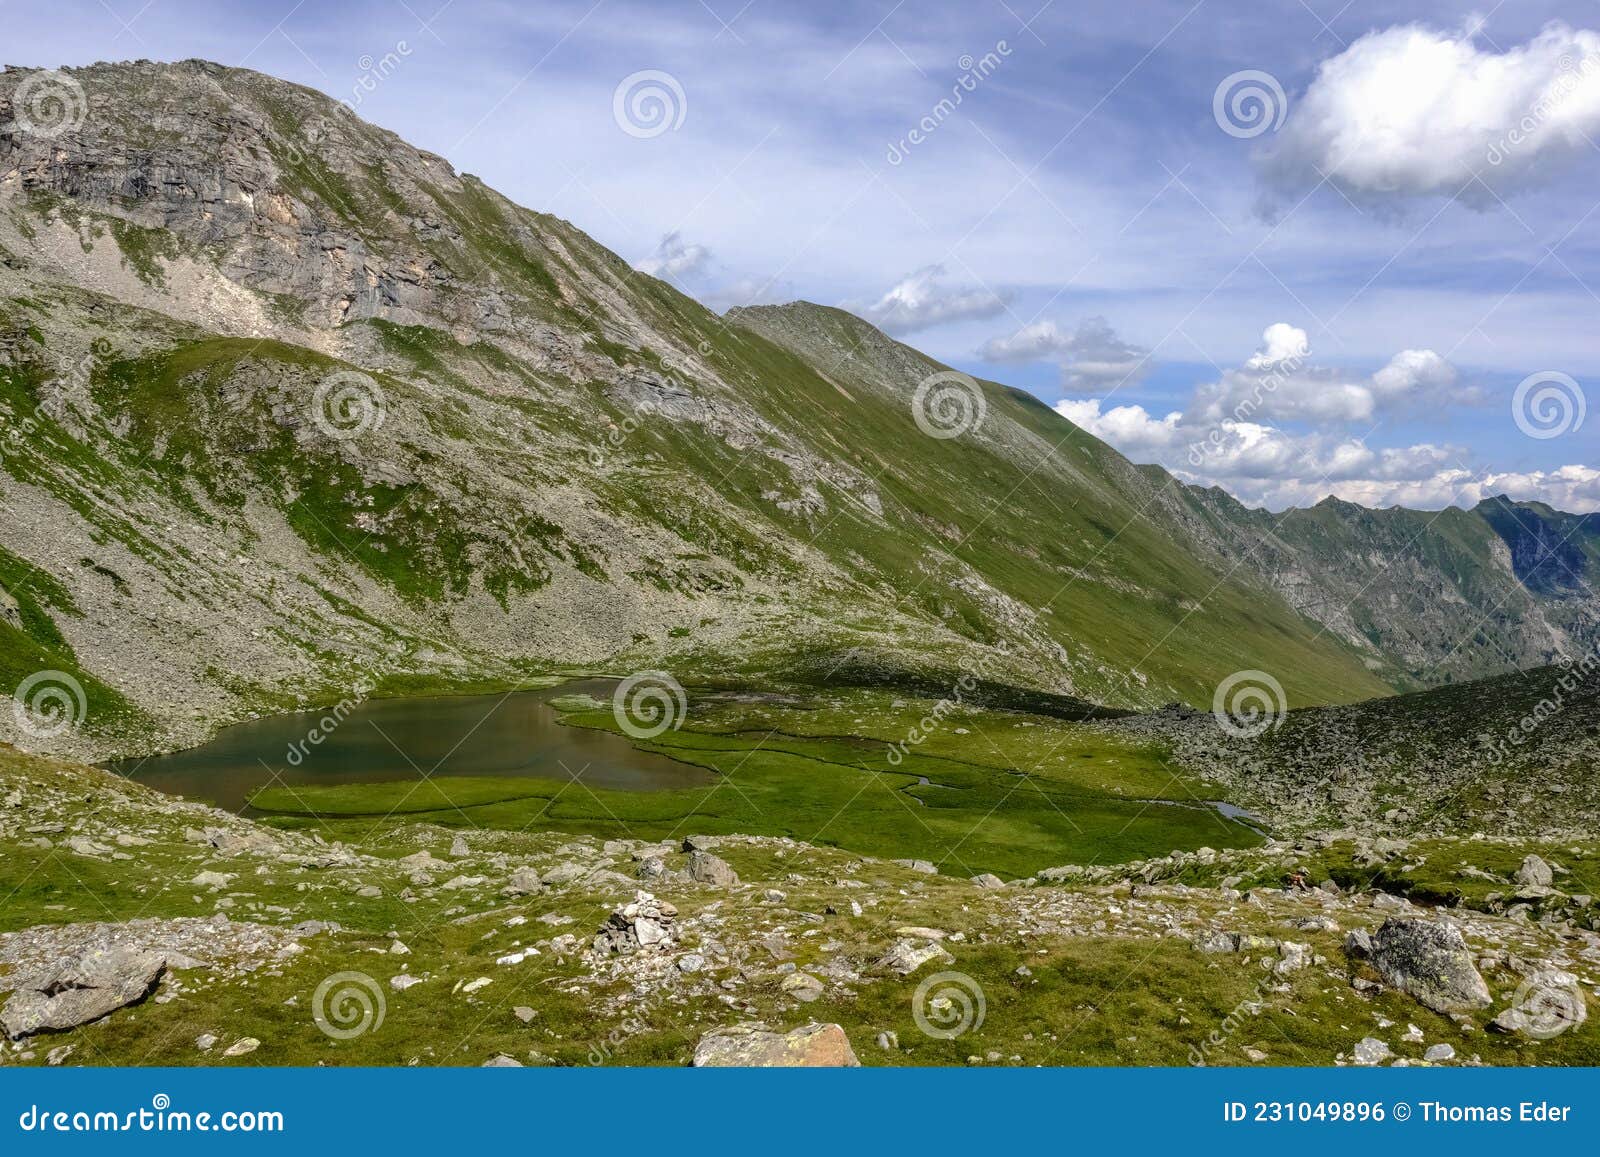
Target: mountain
point(1429, 596)
point(290, 404)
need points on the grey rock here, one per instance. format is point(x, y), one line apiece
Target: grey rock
point(705, 868)
point(78, 991)
point(1548, 1003)
point(906, 956)
point(756, 1046)
point(802, 986)
point(1439, 1052)
point(1370, 1051)
point(523, 882)
point(988, 880)
point(1429, 960)
point(1535, 871)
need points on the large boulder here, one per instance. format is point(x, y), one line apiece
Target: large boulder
point(906, 956)
point(80, 990)
point(1429, 960)
point(705, 868)
point(1535, 871)
point(811, 1046)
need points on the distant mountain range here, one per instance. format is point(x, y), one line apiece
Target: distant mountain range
point(287, 402)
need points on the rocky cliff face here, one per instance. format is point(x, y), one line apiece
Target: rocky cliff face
point(287, 403)
point(1429, 596)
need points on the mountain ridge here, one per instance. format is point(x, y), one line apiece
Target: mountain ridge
point(537, 458)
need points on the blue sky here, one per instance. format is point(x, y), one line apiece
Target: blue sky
point(1336, 289)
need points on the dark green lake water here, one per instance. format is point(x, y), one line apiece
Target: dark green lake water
point(389, 739)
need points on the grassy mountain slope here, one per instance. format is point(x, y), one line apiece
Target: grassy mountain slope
point(288, 402)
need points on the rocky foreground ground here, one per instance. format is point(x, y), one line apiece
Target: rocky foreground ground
point(145, 929)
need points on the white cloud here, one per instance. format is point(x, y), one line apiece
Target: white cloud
point(1280, 343)
point(674, 258)
point(1410, 111)
point(1278, 382)
point(1229, 435)
point(1091, 355)
point(1571, 488)
point(922, 300)
point(1129, 428)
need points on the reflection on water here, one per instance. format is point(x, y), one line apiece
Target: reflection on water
point(390, 739)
